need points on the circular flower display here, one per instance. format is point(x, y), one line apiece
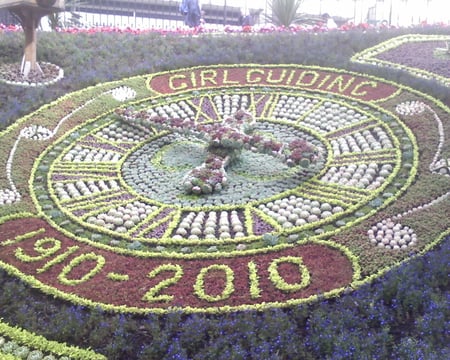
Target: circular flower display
point(221, 188)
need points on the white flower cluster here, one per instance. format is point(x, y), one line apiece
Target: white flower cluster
point(332, 116)
point(298, 211)
point(123, 93)
point(210, 226)
point(69, 190)
point(174, 110)
point(442, 167)
point(123, 218)
point(122, 133)
point(82, 154)
point(358, 142)
point(36, 132)
point(8, 196)
point(410, 108)
point(364, 176)
point(228, 105)
point(291, 108)
point(390, 235)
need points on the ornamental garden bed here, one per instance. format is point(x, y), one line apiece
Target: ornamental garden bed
point(336, 178)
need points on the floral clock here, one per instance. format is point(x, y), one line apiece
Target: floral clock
point(338, 182)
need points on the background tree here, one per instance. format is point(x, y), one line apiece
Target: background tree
point(30, 13)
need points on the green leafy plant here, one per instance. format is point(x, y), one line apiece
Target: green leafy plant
point(270, 239)
point(286, 13)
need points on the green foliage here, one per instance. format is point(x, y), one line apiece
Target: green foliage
point(54, 21)
point(270, 239)
point(284, 12)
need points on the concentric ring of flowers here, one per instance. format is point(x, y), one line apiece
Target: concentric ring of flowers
point(150, 210)
point(308, 205)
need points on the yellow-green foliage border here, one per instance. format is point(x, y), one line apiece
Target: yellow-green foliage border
point(37, 342)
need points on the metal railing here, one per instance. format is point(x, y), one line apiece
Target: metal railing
point(148, 13)
point(165, 14)
point(6, 17)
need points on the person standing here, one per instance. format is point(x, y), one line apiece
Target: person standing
point(329, 22)
point(191, 11)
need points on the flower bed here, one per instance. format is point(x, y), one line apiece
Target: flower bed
point(18, 344)
point(417, 54)
point(96, 215)
point(106, 210)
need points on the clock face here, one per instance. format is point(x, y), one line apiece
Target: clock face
point(114, 177)
point(113, 213)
